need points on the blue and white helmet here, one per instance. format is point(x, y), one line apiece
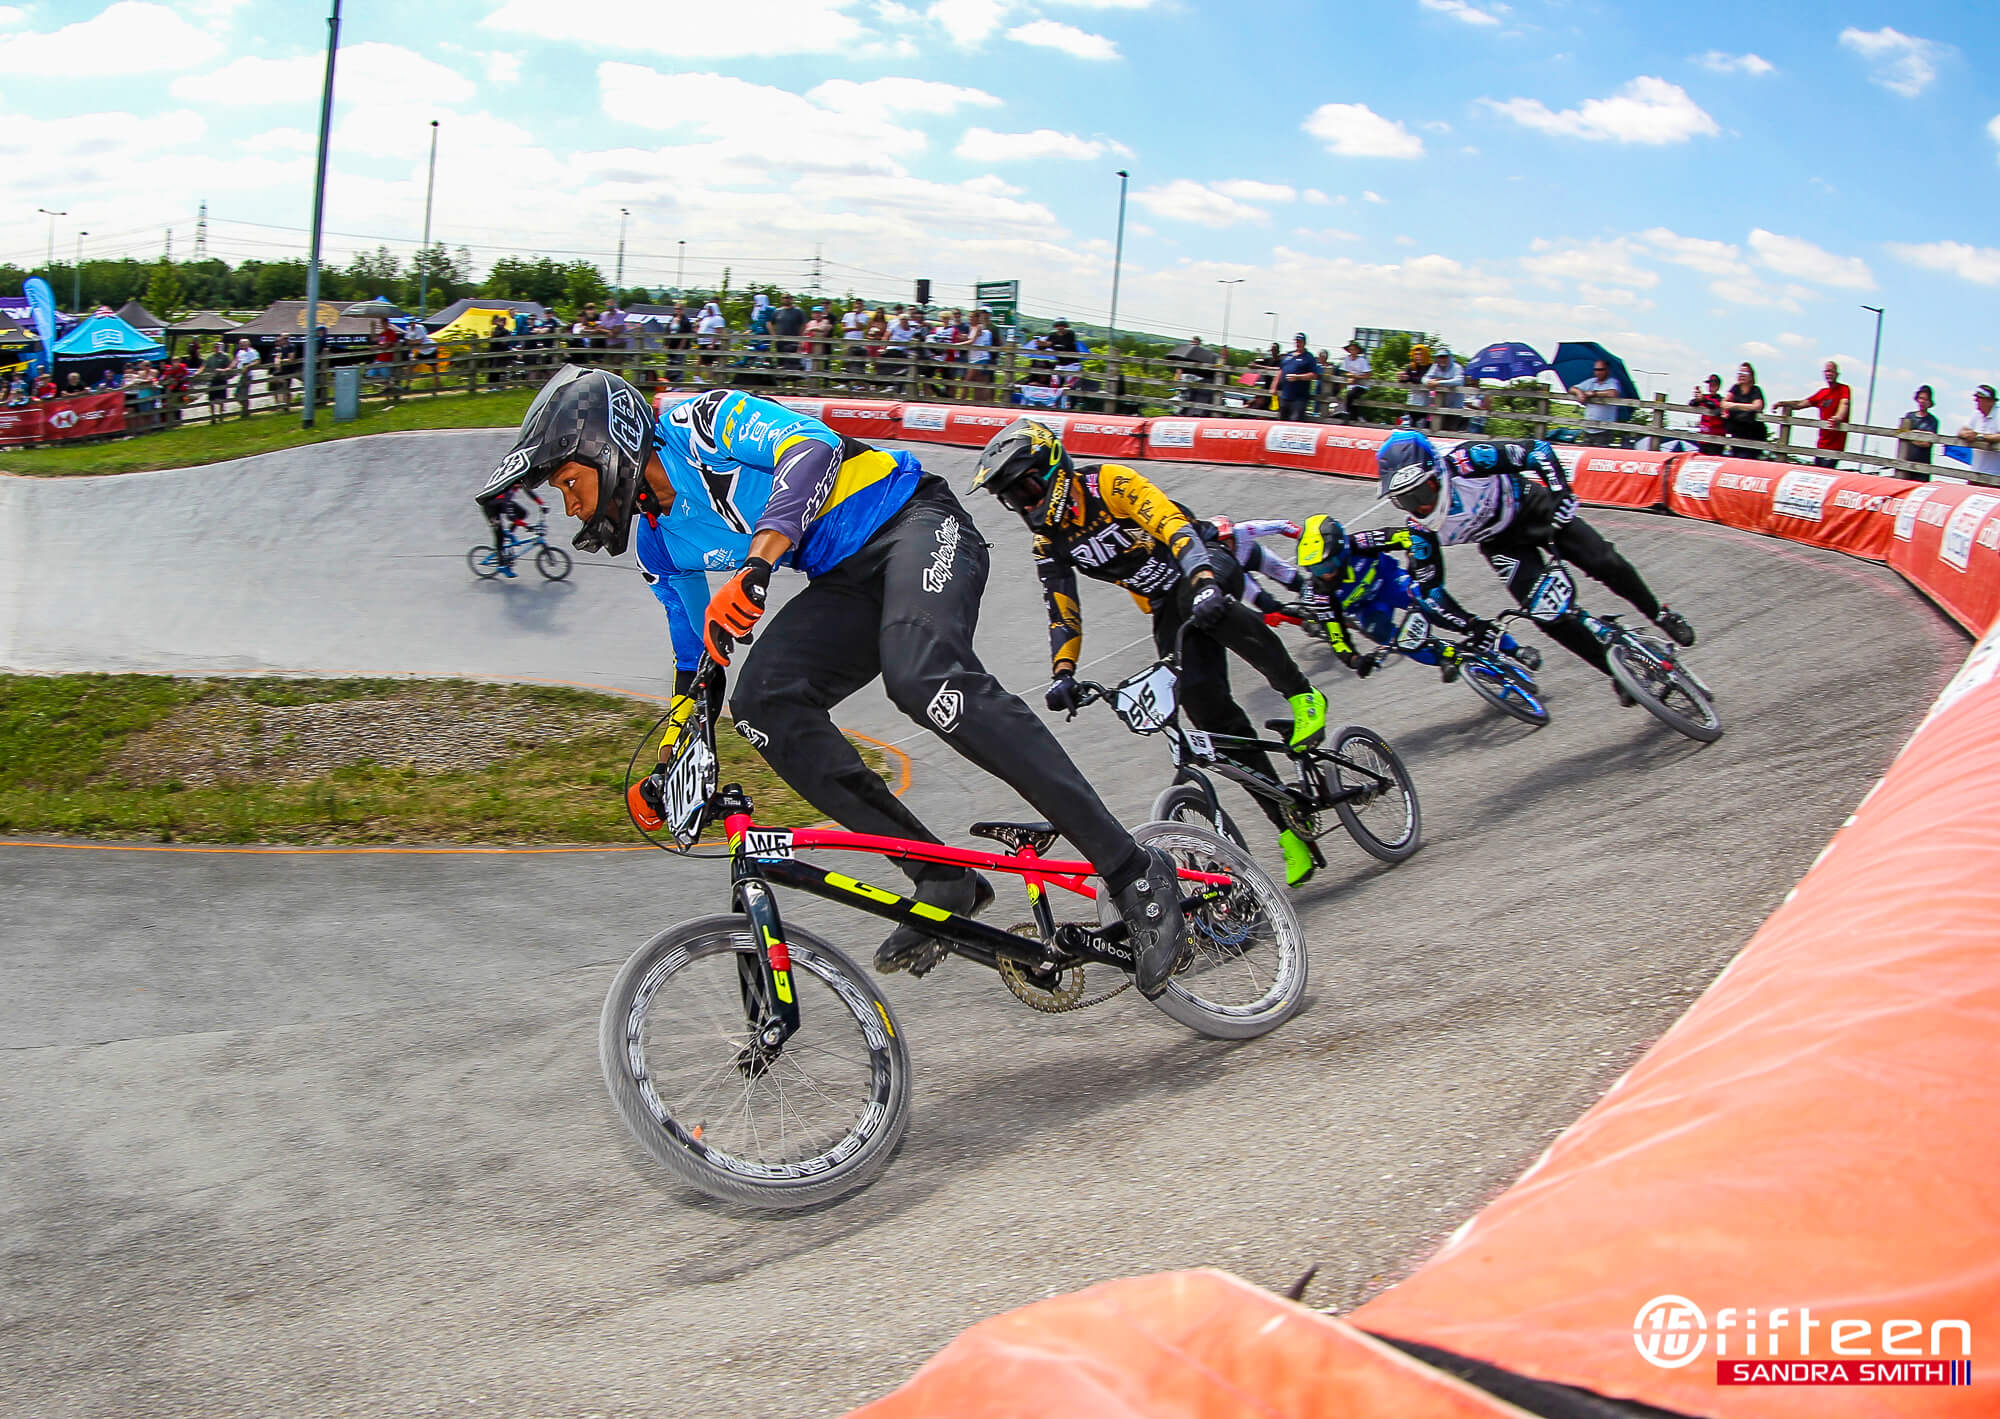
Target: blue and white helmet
point(1412, 472)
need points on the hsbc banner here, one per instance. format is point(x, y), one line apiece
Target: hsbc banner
point(1850, 512)
point(877, 419)
point(87, 416)
point(1945, 537)
point(1618, 477)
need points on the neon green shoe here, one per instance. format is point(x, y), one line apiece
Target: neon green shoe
point(1308, 718)
point(1299, 863)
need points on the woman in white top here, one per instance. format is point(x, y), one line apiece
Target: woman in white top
point(979, 354)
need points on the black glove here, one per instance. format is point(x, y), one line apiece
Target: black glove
point(1362, 665)
point(1062, 693)
point(1567, 508)
point(1210, 605)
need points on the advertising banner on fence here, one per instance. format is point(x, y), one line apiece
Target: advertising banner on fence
point(87, 416)
point(1849, 512)
point(1945, 537)
point(878, 419)
point(1617, 477)
point(21, 424)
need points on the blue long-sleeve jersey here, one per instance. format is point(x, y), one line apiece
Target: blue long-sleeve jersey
point(740, 466)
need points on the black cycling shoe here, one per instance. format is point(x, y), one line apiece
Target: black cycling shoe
point(909, 947)
point(1151, 909)
point(1675, 625)
point(1525, 656)
point(1448, 670)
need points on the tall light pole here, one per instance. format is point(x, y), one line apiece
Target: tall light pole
point(619, 280)
point(1228, 291)
point(1117, 265)
point(681, 269)
point(423, 254)
point(1274, 325)
point(76, 270)
point(310, 387)
point(1874, 360)
point(51, 263)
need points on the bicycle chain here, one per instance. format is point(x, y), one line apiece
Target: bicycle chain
point(1067, 994)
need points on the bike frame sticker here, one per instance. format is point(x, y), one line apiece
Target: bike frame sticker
point(763, 843)
point(1199, 744)
point(1552, 595)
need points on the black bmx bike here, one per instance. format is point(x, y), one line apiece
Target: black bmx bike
point(1355, 775)
point(1649, 668)
point(759, 1062)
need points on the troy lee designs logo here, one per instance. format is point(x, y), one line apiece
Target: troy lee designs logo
point(938, 574)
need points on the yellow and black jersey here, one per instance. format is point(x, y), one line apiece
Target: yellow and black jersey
point(1112, 523)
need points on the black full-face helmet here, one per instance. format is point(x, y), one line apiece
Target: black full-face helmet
point(594, 418)
point(1411, 473)
point(1021, 463)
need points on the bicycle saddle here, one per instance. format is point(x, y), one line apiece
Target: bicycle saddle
point(1281, 727)
point(1013, 835)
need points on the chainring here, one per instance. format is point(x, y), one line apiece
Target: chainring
point(1068, 990)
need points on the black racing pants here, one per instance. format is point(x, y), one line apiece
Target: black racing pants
point(1516, 554)
point(904, 607)
point(1204, 678)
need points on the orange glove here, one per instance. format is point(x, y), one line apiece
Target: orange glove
point(647, 804)
point(734, 609)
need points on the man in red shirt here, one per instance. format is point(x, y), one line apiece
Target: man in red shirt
point(1834, 403)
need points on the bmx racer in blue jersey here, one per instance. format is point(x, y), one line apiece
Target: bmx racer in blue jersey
point(725, 482)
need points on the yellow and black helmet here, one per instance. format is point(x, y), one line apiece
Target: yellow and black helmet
point(1020, 462)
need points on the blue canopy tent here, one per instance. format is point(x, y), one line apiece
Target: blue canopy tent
point(1507, 361)
point(106, 337)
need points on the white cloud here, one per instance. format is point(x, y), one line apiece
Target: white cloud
point(1647, 110)
point(1717, 62)
point(1460, 10)
point(130, 37)
point(1993, 128)
point(1373, 197)
point(1748, 290)
point(280, 140)
point(983, 145)
point(1792, 340)
point(1795, 256)
point(1978, 264)
point(12, 14)
point(687, 28)
point(878, 97)
point(502, 67)
point(1245, 190)
point(364, 74)
point(1600, 263)
point(1109, 4)
point(1714, 258)
point(1900, 63)
point(1354, 130)
point(969, 23)
point(1185, 201)
point(1314, 196)
point(1759, 349)
point(1054, 34)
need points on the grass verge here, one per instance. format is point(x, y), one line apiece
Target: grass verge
point(194, 443)
point(326, 762)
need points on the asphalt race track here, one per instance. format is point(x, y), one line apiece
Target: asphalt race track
point(324, 1134)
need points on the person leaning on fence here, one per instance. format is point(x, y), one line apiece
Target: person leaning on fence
point(1982, 431)
point(1411, 377)
point(1742, 412)
point(1446, 381)
point(1708, 400)
point(1355, 372)
point(1834, 402)
point(1919, 420)
point(1298, 374)
point(1599, 396)
point(215, 379)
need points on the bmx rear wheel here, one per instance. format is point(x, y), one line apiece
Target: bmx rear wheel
point(1651, 676)
point(791, 1126)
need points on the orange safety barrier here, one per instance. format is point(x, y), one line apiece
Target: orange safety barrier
point(1183, 1345)
point(1617, 477)
point(1849, 512)
point(1945, 537)
point(878, 419)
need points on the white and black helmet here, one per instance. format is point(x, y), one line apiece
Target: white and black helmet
point(594, 418)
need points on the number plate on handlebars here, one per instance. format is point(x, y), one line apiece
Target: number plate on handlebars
point(1415, 633)
point(1146, 702)
point(1553, 595)
point(690, 784)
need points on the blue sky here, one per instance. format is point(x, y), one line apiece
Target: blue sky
point(1691, 185)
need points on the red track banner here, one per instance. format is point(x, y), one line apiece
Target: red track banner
point(21, 424)
point(1094, 435)
point(1945, 538)
point(923, 423)
point(876, 420)
point(1617, 477)
point(1182, 1345)
point(1790, 1167)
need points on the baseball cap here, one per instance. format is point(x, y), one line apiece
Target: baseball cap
point(1300, 335)
point(1985, 391)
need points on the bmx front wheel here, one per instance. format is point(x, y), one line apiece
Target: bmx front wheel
point(1670, 694)
point(484, 564)
point(1378, 803)
point(553, 563)
point(791, 1126)
point(1186, 803)
point(1242, 971)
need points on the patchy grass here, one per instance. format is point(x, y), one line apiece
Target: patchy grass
point(332, 761)
point(201, 442)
